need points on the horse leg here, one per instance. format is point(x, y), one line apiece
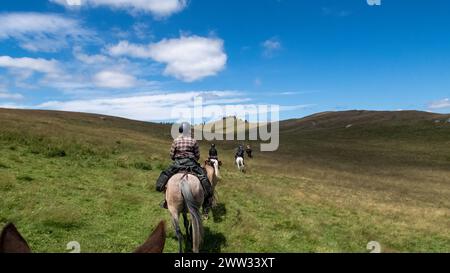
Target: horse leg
point(176, 225)
point(205, 213)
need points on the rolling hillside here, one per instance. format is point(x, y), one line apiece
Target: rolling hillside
point(338, 181)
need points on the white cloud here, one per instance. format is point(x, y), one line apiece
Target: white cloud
point(160, 8)
point(440, 104)
point(186, 58)
point(287, 108)
point(30, 64)
point(10, 96)
point(4, 94)
point(89, 59)
point(271, 46)
point(154, 106)
point(84, 73)
point(12, 106)
point(142, 31)
point(124, 48)
point(41, 31)
point(114, 79)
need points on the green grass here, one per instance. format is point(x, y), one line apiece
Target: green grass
point(328, 190)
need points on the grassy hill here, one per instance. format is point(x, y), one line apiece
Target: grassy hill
point(338, 181)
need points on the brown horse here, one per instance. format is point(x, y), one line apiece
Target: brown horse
point(185, 194)
point(11, 241)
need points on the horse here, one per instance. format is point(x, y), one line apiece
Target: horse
point(184, 193)
point(216, 164)
point(240, 164)
point(211, 167)
point(11, 241)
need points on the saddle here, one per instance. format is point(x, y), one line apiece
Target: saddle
point(186, 170)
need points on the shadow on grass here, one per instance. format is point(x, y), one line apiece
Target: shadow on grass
point(213, 241)
point(218, 212)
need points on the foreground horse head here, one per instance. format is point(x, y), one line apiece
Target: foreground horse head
point(11, 241)
point(155, 242)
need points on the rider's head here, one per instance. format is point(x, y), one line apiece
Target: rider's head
point(213, 145)
point(185, 129)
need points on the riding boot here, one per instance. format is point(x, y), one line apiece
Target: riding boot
point(208, 191)
point(162, 181)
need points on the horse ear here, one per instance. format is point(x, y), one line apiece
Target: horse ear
point(155, 242)
point(12, 242)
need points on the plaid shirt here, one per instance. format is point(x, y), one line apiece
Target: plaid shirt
point(184, 147)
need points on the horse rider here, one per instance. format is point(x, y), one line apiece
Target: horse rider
point(240, 152)
point(213, 152)
point(248, 150)
point(214, 159)
point(185, 153)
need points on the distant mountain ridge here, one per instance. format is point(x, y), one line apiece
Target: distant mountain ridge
point(358, 117)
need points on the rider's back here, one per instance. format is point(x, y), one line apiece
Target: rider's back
point(185, 147)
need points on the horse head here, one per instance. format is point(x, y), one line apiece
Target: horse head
point(155, 242)
point(11, 241)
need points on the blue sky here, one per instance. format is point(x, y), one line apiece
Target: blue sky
point(138, 59)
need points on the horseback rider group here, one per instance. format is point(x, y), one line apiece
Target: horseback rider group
point(185, 154)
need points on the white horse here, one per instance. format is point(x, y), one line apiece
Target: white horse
point(240, 164)
point(216, 166)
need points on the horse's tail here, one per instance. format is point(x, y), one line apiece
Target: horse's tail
point(194, 210)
